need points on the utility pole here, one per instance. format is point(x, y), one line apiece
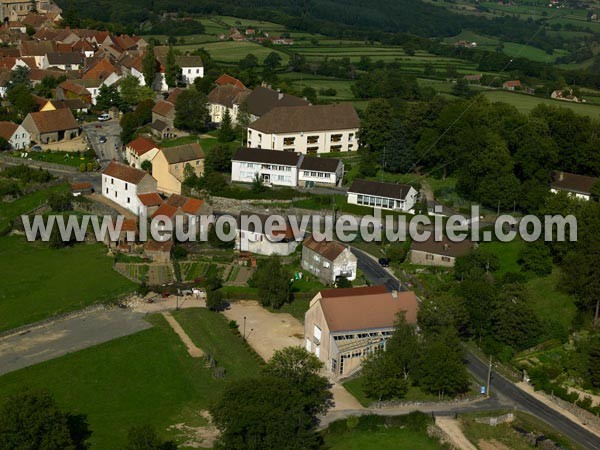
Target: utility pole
point(489, 378)
point(244, 327)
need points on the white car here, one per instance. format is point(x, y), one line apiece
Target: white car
point(103, 117)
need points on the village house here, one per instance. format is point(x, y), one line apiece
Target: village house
point(307, 129)
point(163, 116)
point(139, 150)
point(279, 168)
point(272, 167)
point(227, 97)
point(473, 78)
point(74, 104)
point(439, 253)
point(51, 126)
point(328, 261)
point(396, 197)
point(123, 184)
point(264, 237)
point(192, 209)
point(578, 186)
point(169, 166)
point(342, 326)
point(62, 61)
point(149, 203)
point(17, 137)
point(566, 95)
point(511, 85)
point(159, 252)
point(191, 68)
point(128, 239)
point(81, 188)
point(228, 79)
point(323, 172)
point(263, 99)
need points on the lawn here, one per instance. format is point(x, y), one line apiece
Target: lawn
point(525, 103)
point(232, 51)
point(549, 301)
point(145, 378)
point(508, 254)
point(414, 394)
point(375, 433)
point(11, 210)
point(73, 159)
point(40, 281)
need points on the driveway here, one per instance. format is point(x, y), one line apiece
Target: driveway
point(266, 332)
point(66, 336)
point(110, 129)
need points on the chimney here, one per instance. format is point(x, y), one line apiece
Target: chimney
point(395, 295)
point(561, 176)
point(279, 95)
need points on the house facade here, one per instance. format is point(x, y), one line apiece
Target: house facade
point(51, 126)
point(123, 184)
point(577, 186)
point(395, 197)
point(139, 150)
point(439, 253)
point(328, 261)
point(17, 137)
point(227, 97)
point(191, 68)
point(307, 129)
point(255, 237)
point(169, 165)
point(276, 168)
point(342, 326)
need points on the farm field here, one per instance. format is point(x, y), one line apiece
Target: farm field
point(232, 51)
point(40, 281)
point(525, 103)
point(145, 378)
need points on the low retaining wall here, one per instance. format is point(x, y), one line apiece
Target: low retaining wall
point(39, 164)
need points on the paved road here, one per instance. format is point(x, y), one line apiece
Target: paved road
point(111, 148)
point(65, 336)
point(505, 391)
point(526, 402)
point(376, 274)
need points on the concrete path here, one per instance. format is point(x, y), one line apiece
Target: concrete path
point(66, 336)
point(193, 351)
point(452, 429)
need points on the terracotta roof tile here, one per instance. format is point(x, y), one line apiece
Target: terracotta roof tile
point(57, 120)
point(228, 79)
point(142, 145)
point(163, 108)
point(328, 250)
point(7, 129)
point(151, 199)
point(166, 210)
point(124, 172)
point(192, 205)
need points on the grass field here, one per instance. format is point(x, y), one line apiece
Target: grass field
point(146, 378)
point(550, 302)
point(374, 433)
point(66, 158)
point(414, 394)
point(40, 281)
point(525, 103)
point(10, 211)
point(232, 51)
point(508, 254)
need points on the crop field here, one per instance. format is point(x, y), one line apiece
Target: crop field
point(192, 270)
point(232, 51)
point(525, 103)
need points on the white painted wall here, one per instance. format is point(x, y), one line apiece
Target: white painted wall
point(20, 139)
point(122, 193)
point(247, 241)
point(572, 194)
point(189, 74)
point(277, 174)
point(348, 141)
point(399, 205)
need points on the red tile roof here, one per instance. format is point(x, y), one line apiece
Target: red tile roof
point(166, 210)
point(7, 129)
point(192, 205)
point(228, 79)
point(124, 172)
point(151, 199)
point(367, 312)
point(142, 145)
point(81, 186)
point(163, 108)
point(155, 246)
point(328, 250)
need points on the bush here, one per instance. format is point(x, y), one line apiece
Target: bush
point(82, 167)
point(179, 252)
point(417, 421)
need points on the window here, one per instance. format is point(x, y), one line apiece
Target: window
point(112, 181)
point(126, 186)
point(446, 258)
point(350, 137)
point(198, 162)
point(176, 166)
point(115, 194)
point(336, 138)
point(128, 200)
point(336, 148)
point(289, 140)
point(312, 139)
point(197, 70)
point(326, 264)
point(316, 258)
point(317, 333)
point(429, 257)
point(107, 190)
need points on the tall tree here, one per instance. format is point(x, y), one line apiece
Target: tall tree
point(172, 70)
point(33, 420)
point(273, 282)
point(109, 97)
point(149, 65)
point(375, 130)
point(21, 100)
point(403, 346)
point(381, 378)
point(226, 132)
point(191, 113)
point(399, 155)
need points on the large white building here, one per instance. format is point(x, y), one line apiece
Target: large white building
point(123, 184)
point(307, 129)
point(396, 197)
point(285, 168)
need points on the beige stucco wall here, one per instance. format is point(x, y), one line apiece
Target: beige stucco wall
point(420, 258)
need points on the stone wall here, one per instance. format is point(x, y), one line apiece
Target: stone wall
point(38, 164)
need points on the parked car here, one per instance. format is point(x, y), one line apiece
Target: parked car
point(102, 139)
point(384, 262)
point(36, 148)
point(104, 117)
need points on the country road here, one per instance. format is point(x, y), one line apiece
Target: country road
point(505, 391)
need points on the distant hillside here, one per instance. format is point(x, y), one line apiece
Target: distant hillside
point(332, 17)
